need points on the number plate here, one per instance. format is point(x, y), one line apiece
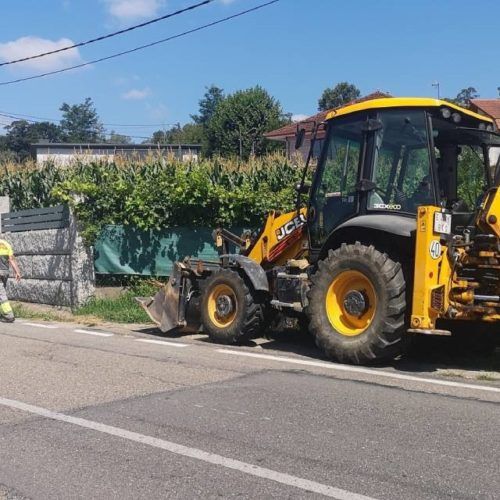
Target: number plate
point(442, 223)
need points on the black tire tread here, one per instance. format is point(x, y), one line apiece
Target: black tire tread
point(248, 324)
point(390, 339)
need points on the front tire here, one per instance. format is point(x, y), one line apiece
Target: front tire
point(230, 310)
point(357, 305)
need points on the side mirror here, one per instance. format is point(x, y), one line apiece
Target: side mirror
point(303, 188)
point(299, 138)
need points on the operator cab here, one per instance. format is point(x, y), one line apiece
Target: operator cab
point(390, 156)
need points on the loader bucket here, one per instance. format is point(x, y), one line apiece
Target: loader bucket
point(163, 308)
point(171, 308)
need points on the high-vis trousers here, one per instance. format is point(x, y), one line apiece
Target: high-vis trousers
point(6, 313)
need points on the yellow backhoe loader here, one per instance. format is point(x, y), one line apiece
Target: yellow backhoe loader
point(399, 235)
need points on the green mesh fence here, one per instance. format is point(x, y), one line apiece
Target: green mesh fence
point(125, 250)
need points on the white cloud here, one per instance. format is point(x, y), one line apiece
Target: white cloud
point(126, 10)
point(136, 94)
point(31, 45)
point(299, 117)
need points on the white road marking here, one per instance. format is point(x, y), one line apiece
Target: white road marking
point(90, 332)
point(162, 342)
point(357, 369)
point(186, 451)
point(40, 325)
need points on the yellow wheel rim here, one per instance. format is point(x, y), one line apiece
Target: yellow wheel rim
point(351, 303)
point(222, 306)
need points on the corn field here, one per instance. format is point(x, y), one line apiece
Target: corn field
point(156, 193)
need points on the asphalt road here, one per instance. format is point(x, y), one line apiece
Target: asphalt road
point(98, 414)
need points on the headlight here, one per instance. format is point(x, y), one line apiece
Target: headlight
point(445, 113)
point(482, 126)
point(456, 117)
point(489, 128)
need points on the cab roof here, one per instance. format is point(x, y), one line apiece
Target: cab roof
point(402, 102)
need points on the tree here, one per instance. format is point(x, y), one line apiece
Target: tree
point(21, 135)
point(81, 123)
point(190, 133)
point(339, 95)
point(115, 138)
point(240, 120)
point(465, 96)
point(208, 104)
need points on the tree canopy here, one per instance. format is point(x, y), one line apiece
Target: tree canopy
point(240, 120)
point(208, 104)
point(465, 96)
point(21, 134)
point(190, 133)
point(81, 123)
point(339, 95)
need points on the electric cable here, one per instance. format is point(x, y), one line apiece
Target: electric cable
point(141, 47)
point(109, 35)
point(38, 119)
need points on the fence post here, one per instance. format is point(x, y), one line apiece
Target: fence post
point(82, 267)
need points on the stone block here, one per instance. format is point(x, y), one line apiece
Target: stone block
point(51, 267)
point(55, 292)
point(46, 242)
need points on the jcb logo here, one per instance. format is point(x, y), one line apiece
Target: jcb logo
point(290, 227)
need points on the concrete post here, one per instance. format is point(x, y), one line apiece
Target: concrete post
point(4, 208)
point(82, 267)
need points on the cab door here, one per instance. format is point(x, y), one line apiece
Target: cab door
point(334, 195)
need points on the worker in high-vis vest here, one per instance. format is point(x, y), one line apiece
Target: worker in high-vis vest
point(7, 261)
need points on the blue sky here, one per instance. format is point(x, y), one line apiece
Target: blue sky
point(294, 49)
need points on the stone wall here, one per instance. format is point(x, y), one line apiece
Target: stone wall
point(57, 268)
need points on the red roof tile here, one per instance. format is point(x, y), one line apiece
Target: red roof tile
point(291, 129)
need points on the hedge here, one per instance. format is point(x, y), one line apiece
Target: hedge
point(156, 193)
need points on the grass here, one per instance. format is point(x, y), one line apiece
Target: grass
point(25, 312)
point(123, 309)
point(488, 377)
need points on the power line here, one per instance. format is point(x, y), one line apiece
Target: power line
point(106, 131)
point(141, 47)
point(109, 35)
point(38, 119)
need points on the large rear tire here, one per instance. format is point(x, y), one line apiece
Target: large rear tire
point(357, 305)
point(231, 312)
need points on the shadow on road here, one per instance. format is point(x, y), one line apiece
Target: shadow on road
point(427, 353)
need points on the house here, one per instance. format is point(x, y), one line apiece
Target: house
point(63, 154)
point(488, 107)
point(287, 133)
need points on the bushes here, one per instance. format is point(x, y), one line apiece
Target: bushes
point(155, 193)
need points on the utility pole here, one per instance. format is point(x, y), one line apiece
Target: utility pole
point(436, 84)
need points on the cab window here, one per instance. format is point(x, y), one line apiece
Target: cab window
point(402, 165)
